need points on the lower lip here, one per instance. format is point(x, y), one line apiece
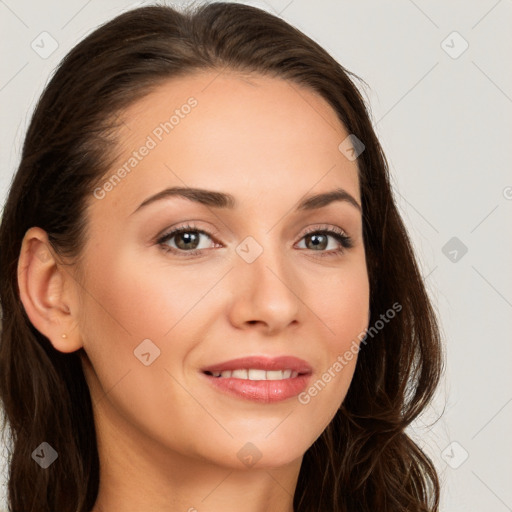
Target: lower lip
point(264, 391)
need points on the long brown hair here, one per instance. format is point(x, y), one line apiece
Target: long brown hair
point(363, 461)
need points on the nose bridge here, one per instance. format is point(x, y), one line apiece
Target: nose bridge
point(266, 285)
point(264, 258)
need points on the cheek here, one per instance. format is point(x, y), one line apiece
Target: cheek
point(344, 304)
point(126, 302)
point(127, 296)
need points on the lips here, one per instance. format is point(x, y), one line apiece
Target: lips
point(283, 363)
point(260, 379)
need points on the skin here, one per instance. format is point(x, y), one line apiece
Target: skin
point(168, 440)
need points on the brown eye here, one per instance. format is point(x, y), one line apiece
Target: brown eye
point(318, 241)
point(186, 240)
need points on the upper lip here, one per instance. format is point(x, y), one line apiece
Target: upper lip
point(262, 363)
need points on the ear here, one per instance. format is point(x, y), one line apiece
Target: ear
point(47, 291)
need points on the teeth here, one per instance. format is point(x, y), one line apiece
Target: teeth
point(275, 374)
point(256, 374)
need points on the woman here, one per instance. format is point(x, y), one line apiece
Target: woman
point(273, 367)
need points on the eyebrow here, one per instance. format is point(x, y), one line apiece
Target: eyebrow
point(224, 200)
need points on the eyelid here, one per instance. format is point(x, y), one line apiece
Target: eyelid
point(187, 225)
point(323, 227)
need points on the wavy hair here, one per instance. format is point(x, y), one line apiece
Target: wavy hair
point(364, 460)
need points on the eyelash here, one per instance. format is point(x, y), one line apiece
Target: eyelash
point(344, 240)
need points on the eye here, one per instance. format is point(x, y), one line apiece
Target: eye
point(318, 240)
point(187, 237)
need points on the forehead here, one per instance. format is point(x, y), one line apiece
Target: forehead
point(239, 133)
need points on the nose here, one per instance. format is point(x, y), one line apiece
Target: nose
point(266, 293)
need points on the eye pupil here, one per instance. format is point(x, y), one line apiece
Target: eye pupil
point(194, 237)
point(316, 243)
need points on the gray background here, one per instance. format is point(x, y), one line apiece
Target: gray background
point(443, 116)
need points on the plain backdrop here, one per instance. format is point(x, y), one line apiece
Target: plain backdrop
point(440, 91)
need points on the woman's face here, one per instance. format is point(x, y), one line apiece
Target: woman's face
point(257, 278)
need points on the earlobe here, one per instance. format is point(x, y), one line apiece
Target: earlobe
point(44, 288)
